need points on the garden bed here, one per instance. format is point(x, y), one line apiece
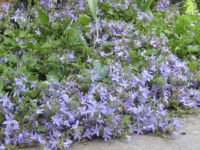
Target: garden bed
point(76, 70)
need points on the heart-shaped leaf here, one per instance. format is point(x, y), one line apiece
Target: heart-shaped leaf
point(84, 19)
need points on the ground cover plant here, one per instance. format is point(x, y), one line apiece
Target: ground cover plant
point(74, 70)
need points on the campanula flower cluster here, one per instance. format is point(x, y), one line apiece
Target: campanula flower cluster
point(125, 86)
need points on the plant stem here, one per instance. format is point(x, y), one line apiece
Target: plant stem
point(97, 27)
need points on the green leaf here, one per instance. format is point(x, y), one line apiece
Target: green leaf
point(193, 48)
point(126, 119)
point(46, 46)
point(84, 19)
point(74, 40)
point(2, 117)
point(53, 58)
point(43, 16)
point(139, 3)
point(41, 128)
point(198, 77)
point(52, 76)
point(8, 32)
point(31, 93)
point(100, 69)
point(66, 21)
point(1, 84)
point(147, 5)
point(180, 26)
point(93, 7)
point(193, 65)
point(197, 33)
point(160, 80)
point(29, 60)
point(12, 58)
point(55, 26)
point(22, 34)
point(190, 7)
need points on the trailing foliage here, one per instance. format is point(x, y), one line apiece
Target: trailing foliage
point(57, 87)
point(190, 7)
